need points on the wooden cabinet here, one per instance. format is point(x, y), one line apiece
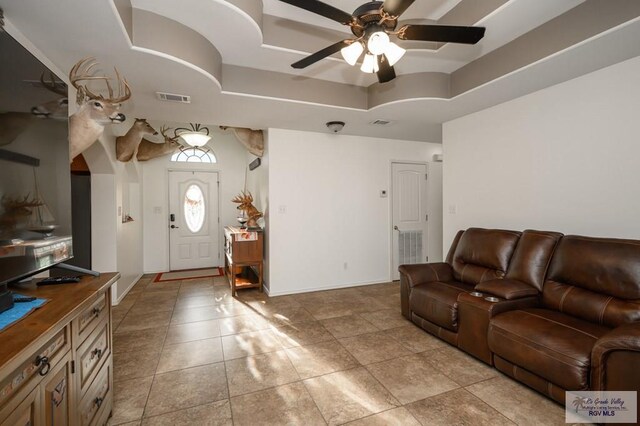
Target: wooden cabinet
point(56, 365)
point(243, 258)
point(57, 393)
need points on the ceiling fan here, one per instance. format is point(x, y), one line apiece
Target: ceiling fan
point(371, 24)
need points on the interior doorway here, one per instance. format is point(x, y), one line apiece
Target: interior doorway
point(81, 213)
point(193, 220)
point(409, 215)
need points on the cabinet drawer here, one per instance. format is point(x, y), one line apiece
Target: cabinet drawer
point(26, 413)
point(30, 372)
point(97, 398)
point(92, 354)
point(88, 319)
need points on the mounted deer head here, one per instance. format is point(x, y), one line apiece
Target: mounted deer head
point(245, 201)
point(57, 108)
point(12, 124)
point(148, 150)
point(95, 111)
point(253, 140)
point(127, 145)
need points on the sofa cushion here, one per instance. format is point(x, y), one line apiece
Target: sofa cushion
point(603, 265)
point(483, 254)
point(532, 257)
point(438, 302)
point(595, 279)
point(589, 305)
point(555, 346)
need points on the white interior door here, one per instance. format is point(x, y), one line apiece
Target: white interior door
point(193, 220)
point(409, 215)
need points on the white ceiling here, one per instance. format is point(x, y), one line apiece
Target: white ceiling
point(270, 41)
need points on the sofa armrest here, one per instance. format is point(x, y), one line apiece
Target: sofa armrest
point(413, 275)
point(425, 272)
point(615, 359)
point(508, 289)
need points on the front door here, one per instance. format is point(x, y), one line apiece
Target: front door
point(193, 220)
point(409, 215)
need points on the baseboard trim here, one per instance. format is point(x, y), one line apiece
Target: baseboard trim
point(116, 302)
point(309, 290)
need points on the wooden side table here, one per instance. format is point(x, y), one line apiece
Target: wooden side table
point(243, 263)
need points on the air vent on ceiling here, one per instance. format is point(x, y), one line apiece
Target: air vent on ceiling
point(381, 122)
point(172, 97)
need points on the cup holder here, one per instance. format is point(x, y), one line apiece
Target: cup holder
point(491, 299)
point(476, 294)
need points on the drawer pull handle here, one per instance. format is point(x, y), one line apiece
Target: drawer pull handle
point(96, 311)
point(43, 363)
point(96, 353)
point(98, 402)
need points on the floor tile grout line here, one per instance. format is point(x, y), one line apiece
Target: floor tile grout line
point(143, 418)
point(144, 410)
point(490, 405)
point(274, 326)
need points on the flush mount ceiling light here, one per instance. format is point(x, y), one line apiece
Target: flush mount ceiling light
point(335, 126)
point(197, 135)
point(372, 24)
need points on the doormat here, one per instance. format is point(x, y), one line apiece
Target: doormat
point(188, 274)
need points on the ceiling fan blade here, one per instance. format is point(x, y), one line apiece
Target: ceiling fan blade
point(323, 9)
point(385, 71)
point(442, 33)
point(321, 54)
point(396, 7)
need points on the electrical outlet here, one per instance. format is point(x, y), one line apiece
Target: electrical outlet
point(157, 210)
point(453, 209)
point(282, 209)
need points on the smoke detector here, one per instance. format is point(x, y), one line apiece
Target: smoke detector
point(335, 126)
point(172, 97)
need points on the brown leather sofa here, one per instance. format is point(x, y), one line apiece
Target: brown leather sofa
point(563, 311)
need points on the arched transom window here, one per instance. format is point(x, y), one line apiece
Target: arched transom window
point(194, 155)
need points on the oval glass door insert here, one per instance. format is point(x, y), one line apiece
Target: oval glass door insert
point(194, 208)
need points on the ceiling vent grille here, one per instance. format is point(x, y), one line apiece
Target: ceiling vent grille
point(381, 122)
point(172, 97)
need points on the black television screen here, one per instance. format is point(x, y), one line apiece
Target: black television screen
point(35, 183)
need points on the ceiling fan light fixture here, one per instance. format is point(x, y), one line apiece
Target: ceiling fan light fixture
point(393, 53)
point(378, 42)
point(370, 64)
point(352, 53)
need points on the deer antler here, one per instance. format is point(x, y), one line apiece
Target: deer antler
point(53, 85)
point(82, 71)
point(163, 131)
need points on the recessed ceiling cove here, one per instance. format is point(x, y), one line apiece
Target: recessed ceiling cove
point(234, 57)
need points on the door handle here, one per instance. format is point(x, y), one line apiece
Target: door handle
point(395, 228)
point(174, 227)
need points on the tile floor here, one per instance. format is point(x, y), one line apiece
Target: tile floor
point(187, 353)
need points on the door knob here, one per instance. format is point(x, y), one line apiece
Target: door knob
point(395, 228)
point(174, 227)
